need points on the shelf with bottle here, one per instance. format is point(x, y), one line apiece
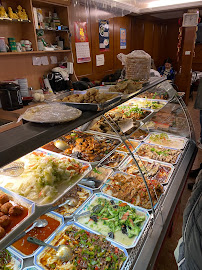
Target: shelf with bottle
point(33, 52)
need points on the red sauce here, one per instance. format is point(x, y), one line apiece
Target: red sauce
point(16, 219)
point(51, 147)
point(28, 248)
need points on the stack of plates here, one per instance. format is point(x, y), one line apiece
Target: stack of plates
point(23, 87)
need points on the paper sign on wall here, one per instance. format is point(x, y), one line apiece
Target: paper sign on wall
point(122, 38)
point(104, 35)
point(36, 61)
point(83, 52)
point(54, 60)
point(44, 61)
point(81, 42)
point(100, 60)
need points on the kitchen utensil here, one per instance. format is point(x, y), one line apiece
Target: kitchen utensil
point(60, 144)
point(90, 182)
point(70, 201)
point(39, 223)
point(63, 252)
point(95, 209)
point(13, 169)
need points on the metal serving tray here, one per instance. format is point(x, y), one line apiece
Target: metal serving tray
point(89, 106)
point(103, 189)
point(54, 215)
point(22, 201)
point(115, 167)
point(139, 210)
point(62, 229)
point(134, 149)
point(90, 192)
point(96, 189)
point(15, 260)
point(72, 183)
point(112, 135)
point(154, 145)
point(128, 161)
point(98, 137)
point(171, 137)
point(135, 100)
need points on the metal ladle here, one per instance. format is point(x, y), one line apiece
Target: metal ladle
point(63, 252)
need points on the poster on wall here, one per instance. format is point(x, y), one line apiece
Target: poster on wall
point(122, 38)
point(104, 35)
point(81, 42)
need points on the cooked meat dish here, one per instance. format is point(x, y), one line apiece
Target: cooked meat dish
point(87, 146)
point(92, 96)
point(133, 190)
point(89, 251)
point(159, 153)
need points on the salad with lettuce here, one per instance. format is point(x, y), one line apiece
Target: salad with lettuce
point(118, 221)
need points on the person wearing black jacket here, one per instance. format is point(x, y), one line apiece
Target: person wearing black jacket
point(188, 253)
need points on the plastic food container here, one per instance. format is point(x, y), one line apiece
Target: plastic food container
point(139, 211)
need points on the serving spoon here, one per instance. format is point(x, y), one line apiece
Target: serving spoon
point(63, 252)
point(70, 201)
point(60, 144)
point(39, 223)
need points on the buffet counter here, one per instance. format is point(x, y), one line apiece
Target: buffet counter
point(130, 180)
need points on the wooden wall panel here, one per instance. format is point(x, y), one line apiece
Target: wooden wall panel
point(121, 22)
point(197, 60)
point(82, 14)
point(100, 71)
point(137, 34)
point(148, 37)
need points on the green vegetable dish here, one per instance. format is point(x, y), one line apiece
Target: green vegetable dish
point(5, 259)
point(118, 221)
point(90, 252)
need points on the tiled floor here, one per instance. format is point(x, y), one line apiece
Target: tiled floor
point(166, 260)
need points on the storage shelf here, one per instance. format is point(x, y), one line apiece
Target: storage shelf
point(52, 30)
point(14, 20)
point(33, 52)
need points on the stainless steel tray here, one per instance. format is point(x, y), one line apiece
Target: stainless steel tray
point(90, 106)
point(163, 147)
point(135, 100)
point(128, 161)
point(171, 137)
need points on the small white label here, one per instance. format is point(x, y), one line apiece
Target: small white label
point(100, 60)
point(44, 61)
point(187, 52)
point(54, 60)
point(36, 61)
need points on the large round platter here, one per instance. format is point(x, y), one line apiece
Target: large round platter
point(51, 113)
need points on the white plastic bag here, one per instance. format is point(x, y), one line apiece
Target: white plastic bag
point(137, 65)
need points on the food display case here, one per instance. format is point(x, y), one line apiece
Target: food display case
point(131, 169)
